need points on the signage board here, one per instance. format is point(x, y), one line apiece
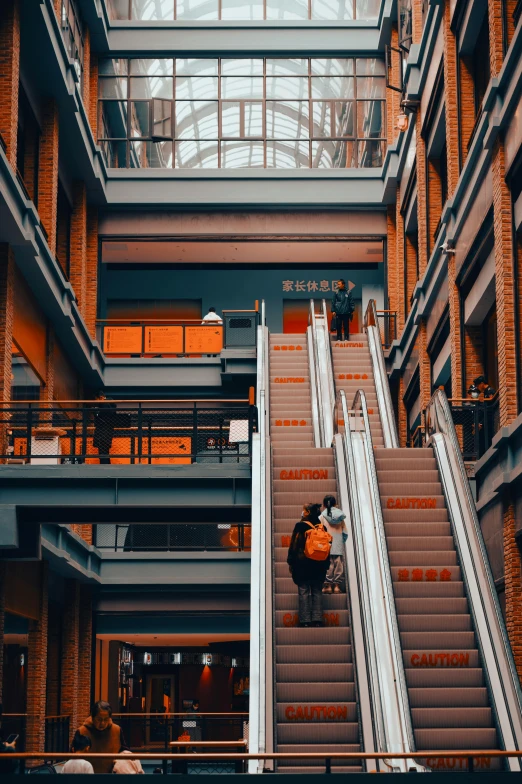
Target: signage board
point(164, 340)
point(203, 339)
point(122, 340)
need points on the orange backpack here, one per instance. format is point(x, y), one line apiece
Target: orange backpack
point(317, 542)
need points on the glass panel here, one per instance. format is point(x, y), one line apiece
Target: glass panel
point(241, 87)
point(288, 155)
point(370, 118)
point(332, 87)
point(332, 66)
point(112, 88)
point(242, 9)
point(197, 88)
point(115, 154)
point(369, 66)
point(244, 66)
point(371, 87)
point(295, 66)
point(253, 119)
point(140, 118)
point(152, 10)
point(371, 154)
point(197, 155)
point(158, 67)
point(367, 9)
point(287, 120)
point(332, 9)
point(333, 155)
point(196, 119)
point(114, 67)
point(151, 87)
point(286, 87)
point(113, 119)
point(118, 9)
point(231, 119)
point(242, 155)
point(287, 9)
point(344, 119)
point(150, 155)
point(193, 66)
point(197, 9)
point(322, 117)
point(162, 118)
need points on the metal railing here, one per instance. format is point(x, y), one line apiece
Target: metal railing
point(387, 323)
point(476, 422)
point(391, 718)
point(160, 730)
point(127, 432)
point(261, 602)
point(172, 537)
point(469, 759)
point(495, 651)
point(382, 387)
point(57, 729)
point(178, 337)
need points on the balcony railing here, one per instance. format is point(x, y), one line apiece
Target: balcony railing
point(178, 338)
point(57, 730)
point(387, 323)
point(172, 537)
point(127, 432)
point(476, 422)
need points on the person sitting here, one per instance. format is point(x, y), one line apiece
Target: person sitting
point(77, 766)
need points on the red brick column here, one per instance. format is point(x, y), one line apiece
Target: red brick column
point(70, 653)
point(78, 249)
point(435, 204)
point(455, 327)
point(402, 424)
point(411, 272)
point(86, 87)
point(424, 366)
point(6, 318)
point(467, 106)
point(393, 97)
point(91, 271)
point(473, 355)
point(54, 647)
point(417, 25)
point(422, 189)
point(37, 673)
point(84, 653)
point(47, 389)
point(48, 173)
point(513, 583)
point(91, 102)
point(505, 289)
point(451, 100)
point(9, 75)
point(399, 222)
point(393, 293)
point(496, 36)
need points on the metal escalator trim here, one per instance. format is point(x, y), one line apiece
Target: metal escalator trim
point(315, 385)
point(362, 680)
point(493, 642)
point(389, 425)
point(390, 704)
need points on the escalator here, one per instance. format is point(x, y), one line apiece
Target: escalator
point(315, 702)
point(462, 688)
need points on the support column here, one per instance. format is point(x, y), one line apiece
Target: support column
point(473, 355)
point(70, 654)
point(399, 223)
point(394, 98)
point(455, 330)
point(505, 289)
point(78, 247)
point(424, 366)
point(513, 583)
point(391, 271)
point(85, 653)
point(422, 190)
point(402, 424)
point(3, 569)
point(435, 204)
point(91, 102)
point(496, 35)
point(9, 75)
point(48, 173)
point(91, 271)
point(6, 318)
point(451, 100)
point(37, 672)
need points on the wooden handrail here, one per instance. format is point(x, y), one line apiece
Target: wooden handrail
point(212, 743)
point(49, 403)
point(186, 715)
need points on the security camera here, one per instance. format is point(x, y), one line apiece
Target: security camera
point(447, 247)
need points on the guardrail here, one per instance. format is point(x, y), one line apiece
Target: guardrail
point(172, 537)
point(470, 760)
point(382, 387)
point(178, 337)
point(127, 432)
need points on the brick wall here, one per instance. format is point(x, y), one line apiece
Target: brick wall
point(467, 106)
point(79, 244)
point(84, 653)
point(6, 318)
point(454, 316)
point(91, 271)
point(424, 366)
point(70, 653)
point(48, 172)
point(513, 583)
point(411, 271)
point(422, 189)
point(392, 270)
point(473, 352)
point(451, 100)
point(37, 672)
point(9, 75)
point(402, 424)
point(434, 202)
point(91, 103)
point(399, 222)
point(54, 651)
point(496, 36)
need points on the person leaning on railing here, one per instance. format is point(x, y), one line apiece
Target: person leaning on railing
point(105, 736)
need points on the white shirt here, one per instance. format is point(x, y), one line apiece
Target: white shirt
point(212, 317)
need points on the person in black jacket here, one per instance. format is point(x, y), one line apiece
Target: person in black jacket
point(343, 307)
point(307, 574)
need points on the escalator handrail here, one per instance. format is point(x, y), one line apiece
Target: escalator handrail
point(382, 387)
point(329, 377)
point(316, 401)
point(398, 719)
point(261, 613)
point(492, 637)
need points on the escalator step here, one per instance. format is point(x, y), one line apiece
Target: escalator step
point(460, 677)
point(322, 636)
point(430, 558)
point(313, 654)
point(450, 573)
point(445, 697)
point(299, 771)
point(456, 738)
point(310, 673)
point(320, 712)
point(334, 619)
point(343, 748)
point(317, 732)
point(431, 606)
point(444, 641)
point(439, 660)
point(438, 515)
point(289, 601)
point(426, 543)
point(312, 692)
point(434, 623)
point(419, 590)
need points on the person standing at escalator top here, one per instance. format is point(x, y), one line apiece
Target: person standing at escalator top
point(343, 306)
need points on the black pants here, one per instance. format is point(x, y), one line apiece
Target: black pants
point(343, 320)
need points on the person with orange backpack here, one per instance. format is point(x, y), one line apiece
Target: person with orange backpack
point(309, 560)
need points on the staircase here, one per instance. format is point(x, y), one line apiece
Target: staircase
point(447, 691)
point(315, 689)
